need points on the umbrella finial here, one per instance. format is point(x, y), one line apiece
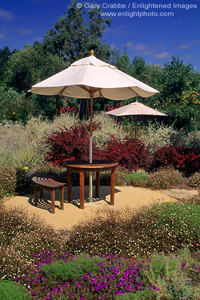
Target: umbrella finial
point(92, 52)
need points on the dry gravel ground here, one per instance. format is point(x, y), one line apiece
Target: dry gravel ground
point(132, 197)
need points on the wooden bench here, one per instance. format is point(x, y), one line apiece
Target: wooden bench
point(50, 185)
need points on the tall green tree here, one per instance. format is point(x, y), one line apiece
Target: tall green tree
point(179, 83)
point(73, 37)
point(14, 106)
point(31, 65)
point(5, 55)
point(177, 78)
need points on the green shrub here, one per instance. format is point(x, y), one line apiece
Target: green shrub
point(7, 180)
point(24, 183)
point(107, 128)
point(191, 140)
point(172, 276)
point(193, 200)
point(11, 291)
point(161, 227)
point(27, 157)
point(194, 180)
point(73, 269)
point(21, 237)
point(120, 177)
point(158, 136)
point(139, 295)
point(137, 178)
point(165, 178)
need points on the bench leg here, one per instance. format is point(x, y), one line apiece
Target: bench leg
point(41, 192)
point(53, 201)
point(35, 194)
point(62, 197)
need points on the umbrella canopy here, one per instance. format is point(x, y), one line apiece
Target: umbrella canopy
point(92, 77)
point(135, 109)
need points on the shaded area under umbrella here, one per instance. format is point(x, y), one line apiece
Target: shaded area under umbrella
point(136, 109)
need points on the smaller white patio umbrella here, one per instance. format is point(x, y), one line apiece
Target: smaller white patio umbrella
point(135, 109)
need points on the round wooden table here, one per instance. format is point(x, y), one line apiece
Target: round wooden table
point(83, 166)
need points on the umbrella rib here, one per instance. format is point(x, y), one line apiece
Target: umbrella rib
point(134, 91)
point(91, 91)
point(65, 87)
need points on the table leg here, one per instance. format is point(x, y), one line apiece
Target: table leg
point(69, 185)
point(62, 197)
point(97, 184)
point(81, 178)
point(112, 188)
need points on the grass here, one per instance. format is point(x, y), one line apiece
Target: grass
point(137, 178)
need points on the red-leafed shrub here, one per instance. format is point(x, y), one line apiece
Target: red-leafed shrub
point(131, 154)
point(70, 144)
point(183, 158)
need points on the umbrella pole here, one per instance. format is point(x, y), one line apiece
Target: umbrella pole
point(90, 153)
point(135, 126)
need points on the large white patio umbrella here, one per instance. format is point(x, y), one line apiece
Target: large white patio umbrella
point(135, 109)
point(92, 78)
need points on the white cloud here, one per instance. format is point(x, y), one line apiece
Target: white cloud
point(196, 42)
point(188, 56)
point(142, 49)
point(3, 33)
point(6, 15)
point(113, 46)
point(130, 45)
point(24, 31)
point(164, 54)
point(2, 36)
point(184, 46)
point(119, 30)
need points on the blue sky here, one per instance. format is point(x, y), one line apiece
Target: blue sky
point(139, 25)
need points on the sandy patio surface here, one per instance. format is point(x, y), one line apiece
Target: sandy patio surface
point(132, 197)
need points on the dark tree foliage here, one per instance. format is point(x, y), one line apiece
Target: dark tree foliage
point(180, 83)
point(5, 55)
point(73, 38)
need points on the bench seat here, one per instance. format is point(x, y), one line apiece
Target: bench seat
point(51, 185)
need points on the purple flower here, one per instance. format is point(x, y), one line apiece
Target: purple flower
point(79, 284)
